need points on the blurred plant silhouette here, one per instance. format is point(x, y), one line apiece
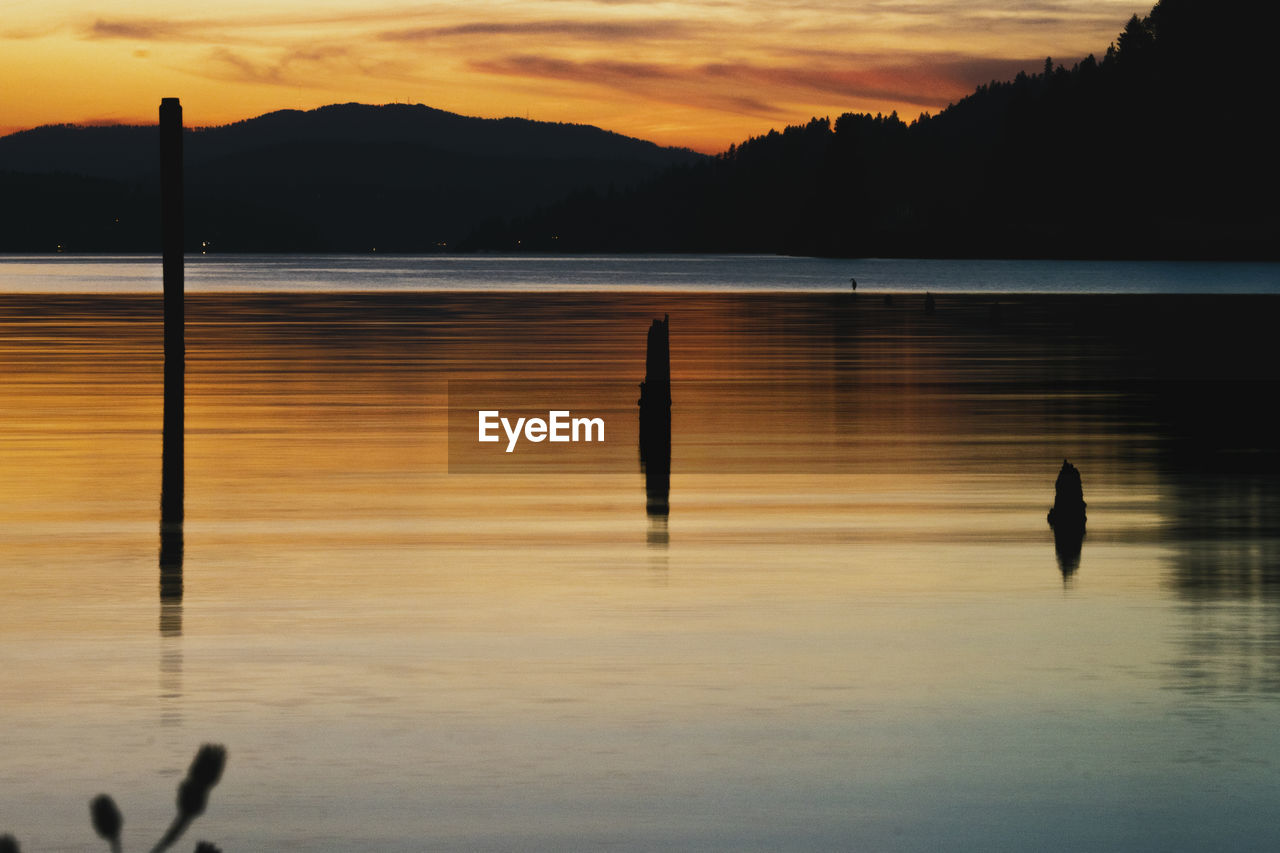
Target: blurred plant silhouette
point(106, 819)
point(193, 797)
point(193, 792)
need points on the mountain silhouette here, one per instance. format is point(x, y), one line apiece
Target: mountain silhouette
point(1162, 148)
point(347, 177)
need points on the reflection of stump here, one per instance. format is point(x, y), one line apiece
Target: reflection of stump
point(655, 419)
point(655, 462)
point(1067, 545)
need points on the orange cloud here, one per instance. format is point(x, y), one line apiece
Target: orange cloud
point(929, 82)
point(705, 73)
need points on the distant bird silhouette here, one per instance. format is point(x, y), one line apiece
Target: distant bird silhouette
point(853, 284)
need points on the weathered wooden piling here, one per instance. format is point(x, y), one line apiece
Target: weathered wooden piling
point(173, 441)
point(655, 419)
point(171, 202)
point(1067, 518)
point(655, 390)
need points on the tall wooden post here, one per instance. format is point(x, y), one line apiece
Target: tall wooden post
point(172, 233)
point(173, 461)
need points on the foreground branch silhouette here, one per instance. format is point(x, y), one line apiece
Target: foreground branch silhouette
point(193, 797)
point(193, 792)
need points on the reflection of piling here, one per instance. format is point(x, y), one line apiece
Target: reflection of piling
point(170, 553)
point(655, 420)
point(170, 654)
point(655, 462)
point(172, 453)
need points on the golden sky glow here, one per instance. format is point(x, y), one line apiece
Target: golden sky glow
point(702, 73)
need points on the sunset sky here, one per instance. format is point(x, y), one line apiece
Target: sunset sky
point(701, 73)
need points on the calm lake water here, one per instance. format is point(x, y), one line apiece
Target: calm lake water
point(852, 631)
point(310, 273)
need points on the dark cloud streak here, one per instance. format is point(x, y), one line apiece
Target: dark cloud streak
point(602, 30)
point(669, 83)
point(144, 30)
point(242, 70)
point(930, 81)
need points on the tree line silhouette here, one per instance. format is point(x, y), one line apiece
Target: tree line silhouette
point(1162, 148)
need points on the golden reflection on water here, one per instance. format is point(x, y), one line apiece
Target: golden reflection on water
point(855, 594)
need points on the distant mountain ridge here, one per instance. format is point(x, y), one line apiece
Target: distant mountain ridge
point(346, 177)
point(121, 151)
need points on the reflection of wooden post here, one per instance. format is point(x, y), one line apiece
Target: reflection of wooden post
point(173, 462)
